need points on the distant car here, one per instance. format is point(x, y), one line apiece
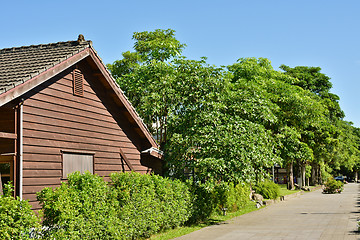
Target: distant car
point(340, 178)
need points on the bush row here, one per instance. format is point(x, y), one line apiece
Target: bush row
point(130, 206)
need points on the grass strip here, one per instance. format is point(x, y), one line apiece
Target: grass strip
point(284, 191)
point(215, 219)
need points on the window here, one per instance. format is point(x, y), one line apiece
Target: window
point(78, 82)
point(81, 162)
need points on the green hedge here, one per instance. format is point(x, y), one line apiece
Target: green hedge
point(132, 206)
point(209, 198)
point(16, 217)
point(237, 196)
point(150, 203)
point(83, 207)
point(268, 189)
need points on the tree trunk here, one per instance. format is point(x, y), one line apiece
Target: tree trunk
point(291, 176)
point(308, 182)
point(313, 180)
point(302, 175)
point(319, 175)
point(356, 176)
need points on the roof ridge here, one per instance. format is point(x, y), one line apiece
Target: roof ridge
point(70, 43)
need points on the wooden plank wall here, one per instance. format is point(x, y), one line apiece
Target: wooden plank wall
point(7, 120)
point(54, 120)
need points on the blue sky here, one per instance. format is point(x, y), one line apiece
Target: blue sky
point(323, 33)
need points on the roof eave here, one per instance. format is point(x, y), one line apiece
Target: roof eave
point(23, 88)
point(129, 108)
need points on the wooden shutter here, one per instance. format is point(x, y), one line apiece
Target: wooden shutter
point(78, 82)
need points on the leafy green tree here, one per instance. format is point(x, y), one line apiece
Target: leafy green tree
point(323, 138)
point(222, 135)
point(197, 115)
point(147, 77)
point(295, 108)
point(127, 65)
point(159, 45)
point(346, 157)
point(309, 78)
point(356, 132)
point(231, 124)
point(221, 147)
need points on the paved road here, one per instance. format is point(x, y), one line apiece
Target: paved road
point(308, 216)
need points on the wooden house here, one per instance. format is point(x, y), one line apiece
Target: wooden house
point(61, 111)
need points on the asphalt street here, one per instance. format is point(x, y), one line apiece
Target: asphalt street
point(310, 215)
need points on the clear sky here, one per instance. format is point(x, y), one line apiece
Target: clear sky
point(323, 33)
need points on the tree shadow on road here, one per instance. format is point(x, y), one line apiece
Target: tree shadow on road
point(354, 233)
point(215, 222)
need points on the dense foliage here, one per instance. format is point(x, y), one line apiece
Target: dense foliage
point(233, 123)
point(150, 203)
point(130, 207)
point(268, 189)
point(16, 217)
point(83, 207)
point(210, 198)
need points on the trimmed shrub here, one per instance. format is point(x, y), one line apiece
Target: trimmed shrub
point(210, 198)
point(238, 197)
point(132, 206)
point(150, 203)
point(204, 201)
point(82, 208)
point(16, 217)
point(175, 201)
point(333, 186)
point(268, 189)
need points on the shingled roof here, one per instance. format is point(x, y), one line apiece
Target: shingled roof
point(23, 68)
point(19, 64)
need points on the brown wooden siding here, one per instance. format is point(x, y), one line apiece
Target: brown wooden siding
point(7, 120)
point(55, 119)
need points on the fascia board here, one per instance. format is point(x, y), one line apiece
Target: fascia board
point(28, 85)
point(130, 109)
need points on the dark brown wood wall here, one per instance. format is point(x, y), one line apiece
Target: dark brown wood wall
point(54, 120)
point(7, 120)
